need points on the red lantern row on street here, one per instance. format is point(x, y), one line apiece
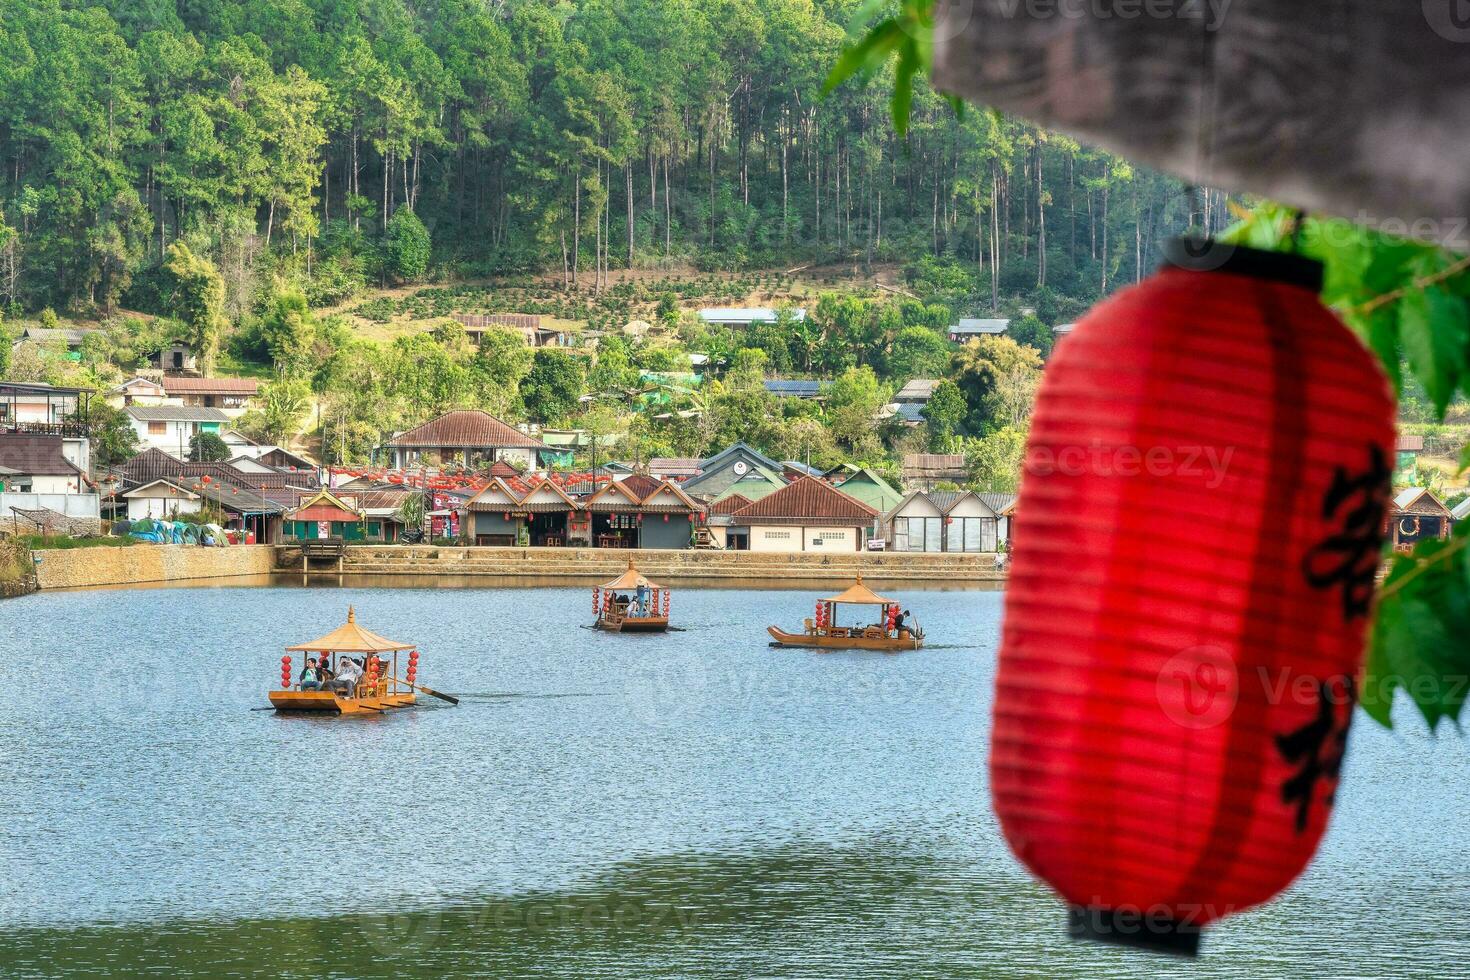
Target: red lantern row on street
point(1209, 464)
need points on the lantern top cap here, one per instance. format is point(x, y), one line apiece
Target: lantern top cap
point(1210, 255)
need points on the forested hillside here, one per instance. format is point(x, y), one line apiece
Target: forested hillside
point(281, 137)
point(257, 177)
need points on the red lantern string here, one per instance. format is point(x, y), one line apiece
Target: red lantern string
point(1209, 460)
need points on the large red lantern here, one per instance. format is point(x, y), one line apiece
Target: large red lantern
point(1209, 462)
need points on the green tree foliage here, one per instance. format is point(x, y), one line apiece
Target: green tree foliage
point(207, 447)
point(998, 378)
point(197, 298)
point(320, 138)
point(995, 459)
point(288, 328)
point(407, 247)
point(945, 414)
point(111, 432)
point(283, 408)
point(552, 387)
point(918, 352)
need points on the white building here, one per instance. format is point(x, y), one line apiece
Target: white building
point(970, 328)
point(940, 520)
point(171, 427)
point(162, 500)
point(746, 316)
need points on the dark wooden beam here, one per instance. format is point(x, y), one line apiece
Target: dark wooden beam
point(1359, 108)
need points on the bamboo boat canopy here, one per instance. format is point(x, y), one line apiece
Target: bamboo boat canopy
point(352, 638)
point(859, 595)
point(631, 579)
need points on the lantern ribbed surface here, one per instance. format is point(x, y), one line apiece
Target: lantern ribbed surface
point(1185, 618)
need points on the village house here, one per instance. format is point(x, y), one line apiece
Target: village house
point(528, 325)
point(805, 515)
point(1406, 458)
point(246, 494)
point(635, 512)
point(795, 388)
point(230, 395)
point(171, 427)
point(861, 483)
point(70, 339)
point(136, 391)
point(470, 437)
point(745, 317)
point(37, 476)
point(1063, 330)
point(674, 468)
point(1461, 510)
point(641, 512)
point(757, 482)
point(37, 464)
point(917, 392)
point(719, 471)
point(233, 506)
point(1415, 515)
point(37, 407)
point(925, 471)
point(325, 515)
point(178, 358)
point(943, 520)
point(972, 329)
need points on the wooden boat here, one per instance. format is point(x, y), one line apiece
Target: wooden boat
point(824, 632)
point(631, 603)
point(379, 688)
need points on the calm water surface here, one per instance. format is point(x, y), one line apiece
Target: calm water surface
point(695, 804)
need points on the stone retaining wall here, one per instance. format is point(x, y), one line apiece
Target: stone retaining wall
point(591, 564)
point(74, 568)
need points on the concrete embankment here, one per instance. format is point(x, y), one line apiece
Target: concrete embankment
point(76, 568)
point(586, 564)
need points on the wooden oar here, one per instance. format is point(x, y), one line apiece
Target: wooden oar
point(429, 691)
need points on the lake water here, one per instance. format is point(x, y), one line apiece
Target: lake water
point(695, 804)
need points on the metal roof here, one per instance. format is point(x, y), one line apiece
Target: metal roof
point(919, 389)
point(210, 386)
point(465, 429)
point(35, 455)
point(807, 501)
point(980, 326)
point(176, 413)
point(788, 388)
point(747, 314)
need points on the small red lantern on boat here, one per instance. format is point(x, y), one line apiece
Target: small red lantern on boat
point(1209, 460)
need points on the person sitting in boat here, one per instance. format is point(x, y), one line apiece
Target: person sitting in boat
point(308, 681)
point(642, 601)
point(348, 674)
point(324, 672)
point(898, 624)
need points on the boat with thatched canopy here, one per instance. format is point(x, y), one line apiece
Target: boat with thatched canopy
point(378, 689)
point(888, 634)
point(631, 603)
